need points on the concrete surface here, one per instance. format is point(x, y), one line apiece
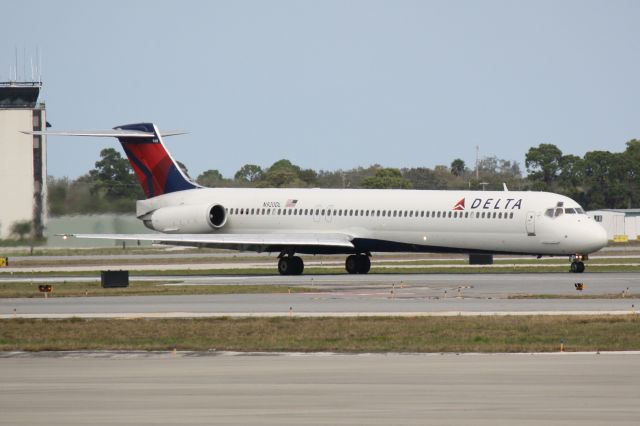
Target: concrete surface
point(319, 389)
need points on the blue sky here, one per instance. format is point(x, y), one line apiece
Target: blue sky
point(334, 84)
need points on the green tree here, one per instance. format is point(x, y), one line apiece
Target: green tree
point(249, 173)
point(113, 177)
point(543, 164)
point(21, 228)
point(457, 167)
point(212, 178)
point(282, 174)
point(387, 178)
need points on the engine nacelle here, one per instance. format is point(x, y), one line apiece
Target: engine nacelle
point(189, 219)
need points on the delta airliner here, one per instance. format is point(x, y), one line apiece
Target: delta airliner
point(354, 222)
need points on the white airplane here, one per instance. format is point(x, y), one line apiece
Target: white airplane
point(355, 222)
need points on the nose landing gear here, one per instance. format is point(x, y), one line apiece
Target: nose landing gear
point(577, 264)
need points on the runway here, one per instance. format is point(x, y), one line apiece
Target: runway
point(196, 389)
point(344, 295)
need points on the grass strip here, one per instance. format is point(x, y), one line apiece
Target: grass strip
point(357, 334)
point(139, 288)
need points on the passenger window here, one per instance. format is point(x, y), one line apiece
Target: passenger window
point(449, 214)
point(511, 215)
point(356, 212)
point(495, 214)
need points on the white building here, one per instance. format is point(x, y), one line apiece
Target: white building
point(23, 163)
point(621, 224)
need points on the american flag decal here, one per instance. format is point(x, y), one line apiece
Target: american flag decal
point(291, 203)
point(459, 205)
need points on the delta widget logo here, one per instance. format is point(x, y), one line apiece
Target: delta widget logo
point(459, 205)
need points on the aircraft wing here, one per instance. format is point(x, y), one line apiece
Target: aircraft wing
point(252, 242)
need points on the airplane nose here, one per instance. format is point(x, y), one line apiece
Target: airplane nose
point(598, 236)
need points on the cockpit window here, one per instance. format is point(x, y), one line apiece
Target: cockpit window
point(560, 210)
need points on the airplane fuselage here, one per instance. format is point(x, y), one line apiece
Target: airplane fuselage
point(388, 220)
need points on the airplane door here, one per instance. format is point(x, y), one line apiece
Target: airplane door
point(531, 224)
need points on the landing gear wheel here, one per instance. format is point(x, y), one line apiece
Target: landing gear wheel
point(291, 265)
point(351, 264)
point(577, 267)
point(365, 264)
point(298, 265)
point(357, 264)
point(284, 266)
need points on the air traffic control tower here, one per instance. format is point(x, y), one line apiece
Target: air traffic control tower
point(23, 162)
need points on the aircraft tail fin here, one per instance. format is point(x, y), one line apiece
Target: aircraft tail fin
point(157, 172)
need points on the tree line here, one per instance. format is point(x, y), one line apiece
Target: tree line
point(599, 179)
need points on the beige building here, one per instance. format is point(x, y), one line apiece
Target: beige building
point(23, 163)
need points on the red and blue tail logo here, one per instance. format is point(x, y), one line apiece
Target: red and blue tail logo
point(157, 172)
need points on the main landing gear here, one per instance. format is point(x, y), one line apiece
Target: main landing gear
point(358, 264)
point(577, 264)
point(288, 264)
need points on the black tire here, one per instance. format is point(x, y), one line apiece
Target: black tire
point(298, 265)
point(351, 264)
point(574, 267)
point(284, 266)
point(580, 267)
point(364, 264)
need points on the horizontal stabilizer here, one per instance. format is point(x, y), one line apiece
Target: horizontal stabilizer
point(116, 133)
